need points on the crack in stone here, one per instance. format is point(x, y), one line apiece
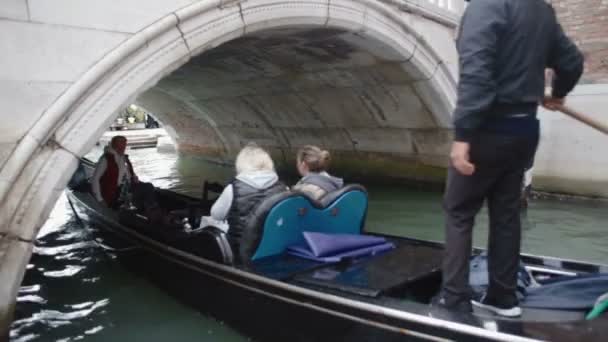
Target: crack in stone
point(177, 25)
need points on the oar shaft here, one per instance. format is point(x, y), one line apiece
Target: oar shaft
point(584, 119)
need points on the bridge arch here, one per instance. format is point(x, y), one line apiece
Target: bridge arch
point(39, 167)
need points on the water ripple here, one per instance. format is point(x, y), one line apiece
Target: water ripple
point(63, 249)
point(32, 299)
point(24, 338)
point(56, 318)
point(94, 330)
point(29, 289)
point(68, 271)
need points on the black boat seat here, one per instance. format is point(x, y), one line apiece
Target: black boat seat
point(280, 220)
point(211, 243)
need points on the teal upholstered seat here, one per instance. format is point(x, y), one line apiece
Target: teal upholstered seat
point(280, 220)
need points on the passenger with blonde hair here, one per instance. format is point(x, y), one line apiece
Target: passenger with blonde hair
point(255, 180)
point(312, 164)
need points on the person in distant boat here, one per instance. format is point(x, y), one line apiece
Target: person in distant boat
point(114, 181)
point(504, 47)
point(255, 180)
point(312, 164)
point(151, 122)
point(113, 174)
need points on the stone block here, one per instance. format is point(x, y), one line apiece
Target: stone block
point(440, 39)
point(12, 166)
point(36, 47)
point(239, 137)
point(284, 110)
point(211, 27)
point(389, 32)
point(267, 14)
point(341, 107)
point(20, 187)
point(14, 9)
point(234, 112)
point(396, 141)
point(24, 103)
point(130, 16)
point(432, 142)
point(369, 50)
point(347, 14)
point(333, 139)
point(43, 191)
point(397, 106)
point(439, 98)
point(5, 151)
point(14, 257)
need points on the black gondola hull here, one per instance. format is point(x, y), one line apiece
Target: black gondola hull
point(280, 309)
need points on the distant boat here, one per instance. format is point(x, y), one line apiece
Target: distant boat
point(141, 138)
point(276, 296)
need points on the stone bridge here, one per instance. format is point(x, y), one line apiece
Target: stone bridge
point(372, 80)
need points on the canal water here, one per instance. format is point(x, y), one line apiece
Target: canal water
point(76, 289)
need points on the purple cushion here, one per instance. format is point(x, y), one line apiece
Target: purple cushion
point(334, 247)
point(322, 244)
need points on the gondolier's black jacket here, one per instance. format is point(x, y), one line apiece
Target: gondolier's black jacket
point(504, 48)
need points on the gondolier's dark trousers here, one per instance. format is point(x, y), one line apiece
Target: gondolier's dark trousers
point(499, 161)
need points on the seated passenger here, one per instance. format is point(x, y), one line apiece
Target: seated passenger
point(255, 180)
point(114, 179)
point(312, 164)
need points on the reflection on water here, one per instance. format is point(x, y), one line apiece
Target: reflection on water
point(74, 289)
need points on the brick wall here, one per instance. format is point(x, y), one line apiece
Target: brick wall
point(586, 22)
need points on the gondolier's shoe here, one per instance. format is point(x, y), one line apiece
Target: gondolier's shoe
point(496, 306)
point(462, 306)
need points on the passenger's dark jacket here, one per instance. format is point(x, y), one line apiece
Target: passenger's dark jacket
point(244, 201)
point(504, 48)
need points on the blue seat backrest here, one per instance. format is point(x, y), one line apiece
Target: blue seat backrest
point(342, 211)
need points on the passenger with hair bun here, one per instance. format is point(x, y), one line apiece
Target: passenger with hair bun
point(312, 164)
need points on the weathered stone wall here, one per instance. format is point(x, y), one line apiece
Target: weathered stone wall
point(586, 22)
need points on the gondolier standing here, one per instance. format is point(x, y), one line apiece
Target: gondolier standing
point(504, 47)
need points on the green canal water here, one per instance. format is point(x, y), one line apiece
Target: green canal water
point(76, 290)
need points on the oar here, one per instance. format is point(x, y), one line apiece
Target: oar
point(584, 119)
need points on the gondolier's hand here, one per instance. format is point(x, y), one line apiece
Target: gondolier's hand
point(553, 103)
point(460, 158)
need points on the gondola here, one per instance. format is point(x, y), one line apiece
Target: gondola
point(272, 295)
